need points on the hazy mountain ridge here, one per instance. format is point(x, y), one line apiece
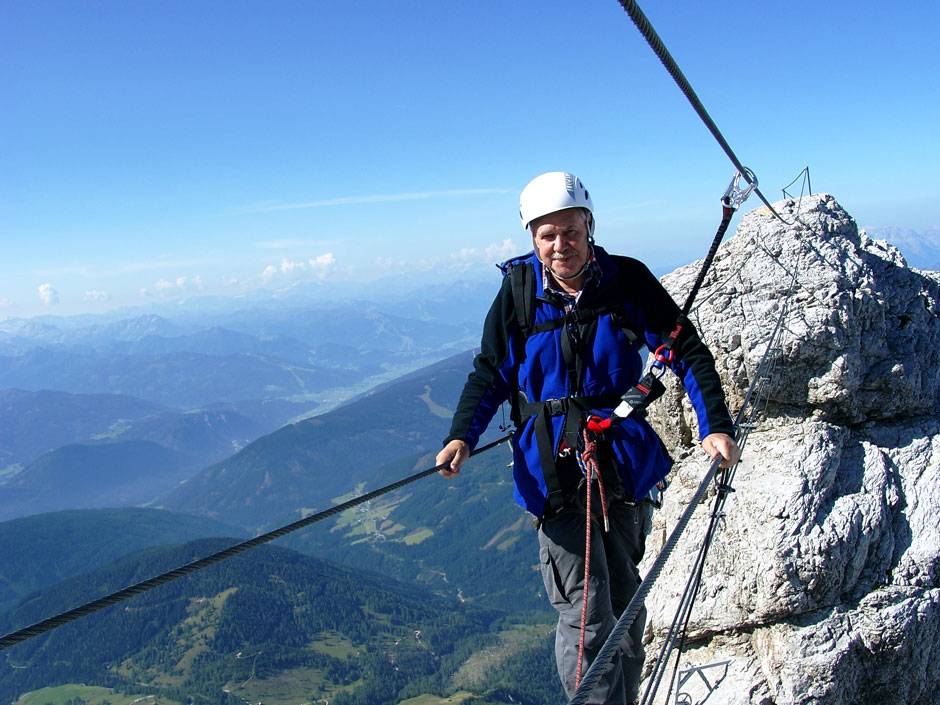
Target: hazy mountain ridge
point(44, 549)
point(33, 423)
point(921, 248)
point(299, 357)
point(177, 379)
point(305, 465)
point(79, 476)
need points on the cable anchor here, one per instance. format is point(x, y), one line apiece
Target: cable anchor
point(735, 195)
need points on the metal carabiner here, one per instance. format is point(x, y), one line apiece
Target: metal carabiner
point(734, 194)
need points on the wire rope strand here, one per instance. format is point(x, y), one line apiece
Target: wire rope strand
point(747, 411)
point(642, 23)
point(727, 213)
point(632, 610)
point(630, 613)
point(169, 576)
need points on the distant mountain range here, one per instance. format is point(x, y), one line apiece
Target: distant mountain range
point(921, 248)
point(294, 354)
point(274, 626)
point(204, 385)
point(468, 615)
point(88, 476)
point(33, 423)
point(50, 439)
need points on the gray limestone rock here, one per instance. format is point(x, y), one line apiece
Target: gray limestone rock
point(823, 582)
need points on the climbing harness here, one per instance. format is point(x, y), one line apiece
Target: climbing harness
point(522, 283)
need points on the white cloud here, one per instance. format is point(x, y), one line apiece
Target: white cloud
point(5, 303)
point(494, 253)
point(290, 270)
point(189, 283)
point(164, 287)
point(95, 295)
point(48, 295)
point(464, 259)
point(269, 273)
point(322, 265)
point(500, 252)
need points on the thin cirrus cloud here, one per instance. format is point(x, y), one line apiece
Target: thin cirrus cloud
point(181, 285)
point(375, 198)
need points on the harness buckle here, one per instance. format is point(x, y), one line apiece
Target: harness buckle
point(556, 407)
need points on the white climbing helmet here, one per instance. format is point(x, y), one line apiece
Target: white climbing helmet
point(550, 192)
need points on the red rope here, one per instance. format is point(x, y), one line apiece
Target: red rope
point(587, 460)
point(587, 574)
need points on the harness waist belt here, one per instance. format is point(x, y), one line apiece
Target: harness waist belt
point(562, 406)
point(569, 407)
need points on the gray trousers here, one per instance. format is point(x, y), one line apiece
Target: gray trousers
point(614, 578)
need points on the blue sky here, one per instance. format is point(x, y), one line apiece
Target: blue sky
point(152, 151)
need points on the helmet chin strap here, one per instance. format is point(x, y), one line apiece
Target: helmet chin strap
point(580, 271)
point(573, 276)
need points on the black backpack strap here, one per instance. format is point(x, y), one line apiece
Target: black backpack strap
point(522, 281)
point(586, 316)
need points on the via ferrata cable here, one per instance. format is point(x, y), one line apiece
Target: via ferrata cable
point(78, 612)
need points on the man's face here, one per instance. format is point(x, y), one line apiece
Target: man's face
point(561, 241)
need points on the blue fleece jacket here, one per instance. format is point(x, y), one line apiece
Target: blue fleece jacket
point(610, 364)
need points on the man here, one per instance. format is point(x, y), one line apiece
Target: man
point(561, 343)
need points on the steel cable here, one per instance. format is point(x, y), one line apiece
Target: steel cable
point(659, 48)
point(128, 592)
point(629, 614)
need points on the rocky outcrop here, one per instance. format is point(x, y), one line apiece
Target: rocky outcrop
point(823, 584)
